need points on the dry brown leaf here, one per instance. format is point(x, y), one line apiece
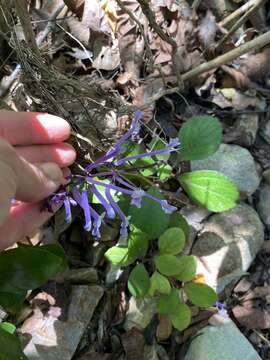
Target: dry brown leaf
point(257, 66)
point(164, 328)
point(207, 31)
point(76, 6)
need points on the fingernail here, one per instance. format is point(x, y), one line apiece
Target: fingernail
point(52, 172)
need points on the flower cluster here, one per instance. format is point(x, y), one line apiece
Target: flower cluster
point(90, 183)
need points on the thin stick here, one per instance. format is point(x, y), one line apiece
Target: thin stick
point(21, 9)
point(251, 45)
point(239, 12)
point(176, 60)
point(256, 5)
point(40, 38)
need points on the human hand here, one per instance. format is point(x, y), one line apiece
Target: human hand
point(33, 163)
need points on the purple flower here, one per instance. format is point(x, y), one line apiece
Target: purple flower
point(81, 186)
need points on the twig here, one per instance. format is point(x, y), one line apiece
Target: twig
point(251, 45)
point(176, 60)
point(256, 5)
point(40, 38)
point(239, 12)
point(21, 9)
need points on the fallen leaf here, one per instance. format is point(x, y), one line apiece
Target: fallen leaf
point(164, 328)
point(76, 6)
point(251, 317)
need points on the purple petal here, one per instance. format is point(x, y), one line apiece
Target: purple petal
point(136, 197)
point(110, 186)
point(116, 149)
point(109, 209)
point(167, 149)
point(67, 210)
point(97, 222)
point(81, 197)
point(167, 207)
point(124, 220)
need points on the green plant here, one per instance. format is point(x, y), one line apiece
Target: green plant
point(156, 240)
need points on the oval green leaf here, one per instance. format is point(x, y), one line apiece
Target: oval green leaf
point(150, 218)
point(137, 243)
point(210, 189)
point(159, 283)
point(181, 318)
point(188, 268)
point(168, 304)
point(200, 137)
point(172, 241)
point(167, 264)
point(10, 347)
point(119, 255)
point(7, 326)
point(178, 220)
point(139, 281)
point(200, 294)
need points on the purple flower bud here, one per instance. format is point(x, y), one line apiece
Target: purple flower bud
point(67, 209)
point(136, 197)
point(81, 197)
point(108, 208)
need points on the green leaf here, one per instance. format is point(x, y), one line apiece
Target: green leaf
point(159, 283)
point(181, 318)
point(164, 172)
point(172, 241)
point(188, 268)
point(167, 264)
point(119, 255)
point(138, 242)
point(168, 304)
point(26, 268)
point(150, 218)
point(200, 137)
point(210, 189)
point(139, 281)
point(7, 326)
point(177, 220)
point(57, 250)
point(200, 294)
point(157, 144)
point(10, 347)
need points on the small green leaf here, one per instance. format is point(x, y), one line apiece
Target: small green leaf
point(159, 283)
point(119, 255)
point(200, 294)
point(164, 172)
point(200, 137)
point(172, 241)
point(177, 220)
point(7, 326)
point(188, 268)
point(138, 242)
point(210, 189)
point(181, 318)
point(150, 217)
point(139, 281)
point(168, 304)
point(13, 300)
point(167, 264)
point(10, 347)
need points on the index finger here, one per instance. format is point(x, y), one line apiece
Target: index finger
point(26, 128)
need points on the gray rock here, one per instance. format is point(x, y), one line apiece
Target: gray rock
point(263, 205)
point(82, 275)
point(247, 125)
point(113, 273)
point(55, 339)
point(236, 163)
point(265, 131)
point(228, 244)
point(221, 342)
point(140, 313)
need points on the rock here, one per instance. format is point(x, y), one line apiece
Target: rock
point(222, 342)
point(236, 163)
point(53, 338)
point(140, 313)
point(247, 125)
point(228, 244)
point(265, 132)
point(82, 275)
point(263, 205)
point(113, 273)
